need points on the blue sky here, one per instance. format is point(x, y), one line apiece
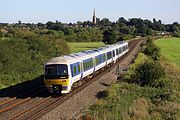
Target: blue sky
point(80, 10)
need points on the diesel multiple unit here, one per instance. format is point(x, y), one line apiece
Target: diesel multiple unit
point(61, 73)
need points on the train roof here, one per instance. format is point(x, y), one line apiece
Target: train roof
point(84, 54)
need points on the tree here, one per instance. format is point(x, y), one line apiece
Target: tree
point(109, 37)
point(125, 30)
point(122, 20)
point(105, 22)
point(115, 26)
point(79, 23)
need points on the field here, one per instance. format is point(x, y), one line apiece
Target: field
point(82, 46)
point(170, 48)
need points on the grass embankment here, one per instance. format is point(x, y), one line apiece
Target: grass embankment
point(170, 48)
point(127, 100)
point(82, 46)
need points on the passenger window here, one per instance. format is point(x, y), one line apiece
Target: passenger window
point(103, 57)
point(74, 70)
point(113, 53)
point(78, 68)
point(117, 52)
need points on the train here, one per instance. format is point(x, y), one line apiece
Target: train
point(62, 73)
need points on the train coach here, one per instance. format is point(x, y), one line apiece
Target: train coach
point(63, 73)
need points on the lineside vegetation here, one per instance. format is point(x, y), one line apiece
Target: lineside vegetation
point(149, 90)
point(23, 59)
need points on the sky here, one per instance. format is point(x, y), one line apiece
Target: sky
point(66, 11)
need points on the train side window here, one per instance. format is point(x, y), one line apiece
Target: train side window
point(109, 55)
point(84, 65)
point(91, 63)
point(117, 52)
point(98, 59)
point(103, 58)
point(74, 70)
point(113, 53)
point(87, 64)
point(78, 68)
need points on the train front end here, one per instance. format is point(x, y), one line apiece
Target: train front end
point(57, 78)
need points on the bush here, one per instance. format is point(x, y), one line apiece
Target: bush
point(176, 34)
point(150, 73)
point(152, 50)
point(22, 60)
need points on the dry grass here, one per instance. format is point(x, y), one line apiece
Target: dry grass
point(139, 109)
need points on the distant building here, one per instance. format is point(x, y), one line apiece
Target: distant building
point(94, 18)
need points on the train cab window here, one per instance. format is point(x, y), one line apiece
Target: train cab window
point(56, 71)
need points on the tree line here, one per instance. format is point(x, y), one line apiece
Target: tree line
point(86, 31)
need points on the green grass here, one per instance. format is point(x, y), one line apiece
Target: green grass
point(82, 46)
point(170, 48)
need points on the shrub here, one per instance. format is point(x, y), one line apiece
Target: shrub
point(22, 59)
point(152, 50)
point(176, 34)
point(150, 73)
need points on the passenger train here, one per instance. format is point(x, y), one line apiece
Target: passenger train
point(61, 73)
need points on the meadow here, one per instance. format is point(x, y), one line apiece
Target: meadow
point(82, 46)
point(170, 48)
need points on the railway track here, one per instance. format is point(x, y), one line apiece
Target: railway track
point(9, 104)
point(26, 93)
point(41, 107)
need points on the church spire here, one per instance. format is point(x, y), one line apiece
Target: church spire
point(94, 17)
